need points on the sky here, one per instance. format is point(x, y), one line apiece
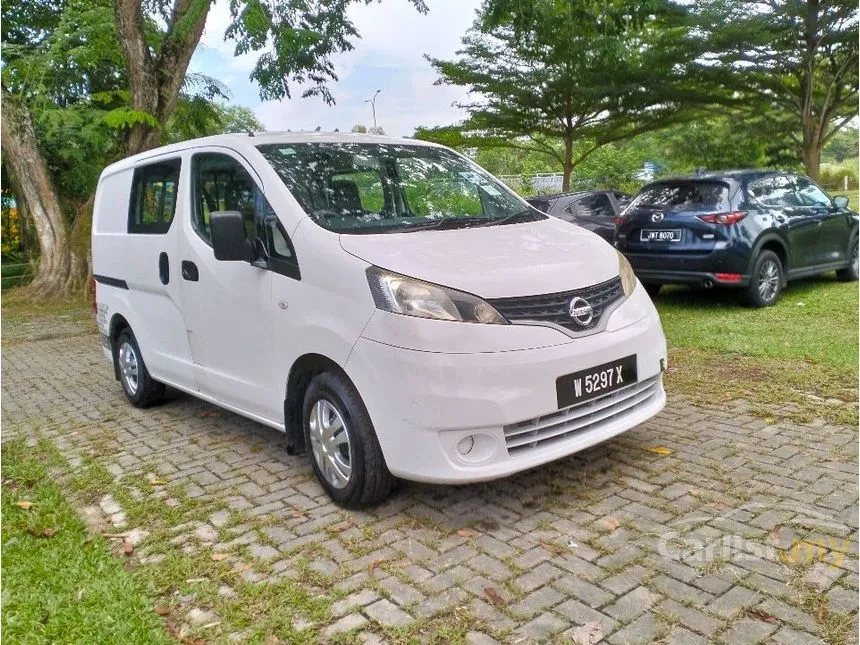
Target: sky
point(389, 57)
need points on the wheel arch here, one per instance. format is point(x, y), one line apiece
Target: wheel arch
point(303, 370)
point(117, 324)
point(771, 243)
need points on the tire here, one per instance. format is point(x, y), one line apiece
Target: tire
point(350, 466)
point(652, 288)
point(850, 273)
point(766, 281)
point(139, 387)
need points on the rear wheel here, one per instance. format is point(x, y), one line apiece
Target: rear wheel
point(766, 281)
point(344, 450)
point(652, 288)
point(850, 273)
point(139, 387)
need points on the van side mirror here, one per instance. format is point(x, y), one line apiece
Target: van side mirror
point(840, 201)
point(228, 237)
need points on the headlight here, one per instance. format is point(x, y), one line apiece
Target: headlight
point(628, 278)
point(402, 295)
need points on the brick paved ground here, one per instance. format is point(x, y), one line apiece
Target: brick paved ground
point(746, 532)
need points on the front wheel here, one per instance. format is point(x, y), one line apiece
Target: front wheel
point(850, 273)
point(766, 281)
point(344, 450)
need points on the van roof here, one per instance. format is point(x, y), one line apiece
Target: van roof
point(256, 138)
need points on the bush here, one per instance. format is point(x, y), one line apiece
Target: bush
point(833, 177)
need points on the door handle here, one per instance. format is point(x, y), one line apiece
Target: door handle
point(163, 268)
point(189, 271)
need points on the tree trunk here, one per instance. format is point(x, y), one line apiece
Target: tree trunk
point(32, 184)
point(813, 144)
point(568, 164)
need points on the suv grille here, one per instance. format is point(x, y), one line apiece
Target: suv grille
point(555, 307)
point(580, 418)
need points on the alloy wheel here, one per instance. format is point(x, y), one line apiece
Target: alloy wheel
point(330, 443)
point(768, 280)
point(128, 368)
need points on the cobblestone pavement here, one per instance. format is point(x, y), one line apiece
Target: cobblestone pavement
point(701, 525)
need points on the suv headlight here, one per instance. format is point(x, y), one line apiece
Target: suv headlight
point(400, 294)
point(628, 278)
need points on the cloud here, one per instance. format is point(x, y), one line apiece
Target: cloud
point(389, 56)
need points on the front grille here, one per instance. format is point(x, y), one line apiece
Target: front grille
point(580, 418)
point(555, 307)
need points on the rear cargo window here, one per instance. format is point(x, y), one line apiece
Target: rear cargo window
point(153, 197)
point(712, 195)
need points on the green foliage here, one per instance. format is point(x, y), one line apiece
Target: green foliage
point(297, 39)
point(833, 176)
point(792, 64)
point(197, 116)
point(844, 144)
point(125, 117)
point(549, 71)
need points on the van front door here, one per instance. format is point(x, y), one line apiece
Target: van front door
point(228, 305)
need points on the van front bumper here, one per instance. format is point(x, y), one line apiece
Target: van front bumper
point(459, 418)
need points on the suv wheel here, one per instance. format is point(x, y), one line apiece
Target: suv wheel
point(140, 388)
point(344, 450)
point(766, 281)
point(850, 273)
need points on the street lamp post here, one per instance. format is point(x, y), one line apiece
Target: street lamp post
point(372, 102)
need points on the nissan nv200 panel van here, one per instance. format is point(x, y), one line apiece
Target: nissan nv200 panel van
point(390, 305)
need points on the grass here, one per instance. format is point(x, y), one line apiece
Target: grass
point(802, 351)
point(60, 582)
point(20, 305)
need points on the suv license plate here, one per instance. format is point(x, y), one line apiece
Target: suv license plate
point(595, 381)
point(651, 235)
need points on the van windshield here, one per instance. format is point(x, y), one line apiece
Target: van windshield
point(383, 188)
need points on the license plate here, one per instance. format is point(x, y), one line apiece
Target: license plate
point(652, 235)
point(595, 381)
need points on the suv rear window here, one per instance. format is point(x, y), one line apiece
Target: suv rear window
point(713, 195)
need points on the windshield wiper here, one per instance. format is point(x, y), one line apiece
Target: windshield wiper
point(521, 216)
point(444, 224)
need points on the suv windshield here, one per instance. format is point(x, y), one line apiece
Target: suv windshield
point(379, 188)
point(693, 195)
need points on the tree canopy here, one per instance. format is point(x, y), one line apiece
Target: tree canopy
point(587, 71)
point(795, 61)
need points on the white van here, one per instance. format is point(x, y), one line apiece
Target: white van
point(386, 302)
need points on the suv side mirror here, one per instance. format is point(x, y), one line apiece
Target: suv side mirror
point(841, 201)
point(228, 237)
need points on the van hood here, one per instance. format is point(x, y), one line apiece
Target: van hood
point(508, 260)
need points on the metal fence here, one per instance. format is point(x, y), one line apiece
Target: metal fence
point(545, 182)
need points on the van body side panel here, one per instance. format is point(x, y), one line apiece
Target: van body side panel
point(151, 308)
point(323, 313)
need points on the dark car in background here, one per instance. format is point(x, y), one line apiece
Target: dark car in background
point(752, 230)
point(594, 210)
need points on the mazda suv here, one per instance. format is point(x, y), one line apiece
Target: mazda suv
point(751, 230)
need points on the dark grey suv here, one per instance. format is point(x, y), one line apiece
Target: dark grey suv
point(749, 229)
